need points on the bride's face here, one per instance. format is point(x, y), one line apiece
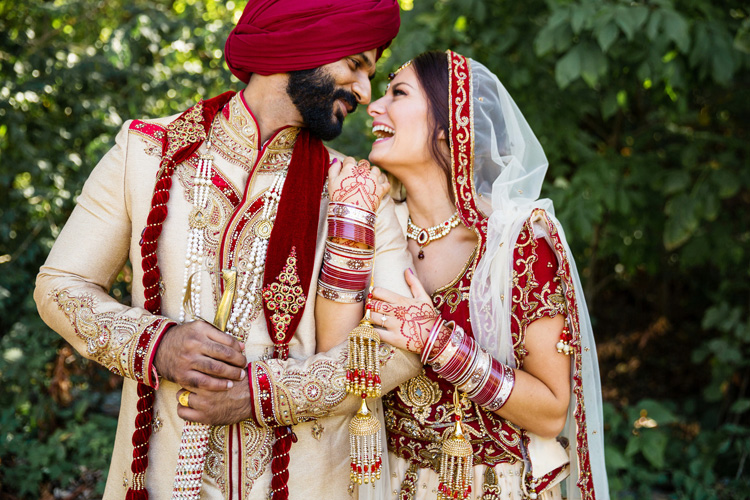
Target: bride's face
point(400, 124)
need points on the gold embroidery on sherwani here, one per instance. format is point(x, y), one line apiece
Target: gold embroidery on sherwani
point(108, 336)
point(255, 453)
point(244, 223)
point(284, 297)
point(216, 215)
point(215, 459)
point(313, 391)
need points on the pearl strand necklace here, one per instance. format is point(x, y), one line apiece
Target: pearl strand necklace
point(198, 220)
point(248, 291)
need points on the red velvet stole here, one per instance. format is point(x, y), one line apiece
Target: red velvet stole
point(295, 231)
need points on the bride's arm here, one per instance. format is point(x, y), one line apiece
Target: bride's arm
point(355, 193)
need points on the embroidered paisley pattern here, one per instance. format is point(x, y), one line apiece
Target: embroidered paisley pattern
point(110, 338)
point(314, 390)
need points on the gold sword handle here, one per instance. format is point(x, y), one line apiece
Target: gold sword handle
point(229, 277)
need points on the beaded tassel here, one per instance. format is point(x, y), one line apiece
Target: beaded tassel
point(364, 446)
point(363, 379)
point(456, 462)
point(563, 345)
point(363, 372)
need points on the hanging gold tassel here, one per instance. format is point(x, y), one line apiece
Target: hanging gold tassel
point(363, 380)
point(364, 446)
point(456, 462)
point(363, 372)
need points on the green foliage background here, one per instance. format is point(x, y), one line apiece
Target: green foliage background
point(643, 108)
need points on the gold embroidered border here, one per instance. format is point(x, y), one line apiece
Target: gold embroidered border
point(122, 344)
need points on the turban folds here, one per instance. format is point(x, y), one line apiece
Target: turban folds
point(278, 36)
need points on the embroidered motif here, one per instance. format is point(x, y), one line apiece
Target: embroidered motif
point(284, 296)
point(257, 444)
point(158, 424)
point(409, 484)
point(185, 131)
point(420, 393)
point(111, 339)
point(317, 430)
point(215, 466)
point(313, 390)
point(491, 489)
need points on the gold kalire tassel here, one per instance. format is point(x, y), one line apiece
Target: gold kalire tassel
point(456, 462)
point(363, 380)
point(364, 446)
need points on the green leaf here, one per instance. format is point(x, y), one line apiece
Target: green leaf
point(676, 28)
point(653, 25)
point(545, 41)
point(568, 68)
point(607, 35)
point(579, 15)
point(676, 181)
point(609, 104)
point(654, 446)
point(742, 38)
point(682, 221)
point(615, 459)
point(740, 406)
point(630, 19)
point(593, 63)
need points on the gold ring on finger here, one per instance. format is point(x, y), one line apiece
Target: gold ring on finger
point(382, 321)
point(184, 399)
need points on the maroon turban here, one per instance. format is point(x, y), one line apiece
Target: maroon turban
point(278, 36)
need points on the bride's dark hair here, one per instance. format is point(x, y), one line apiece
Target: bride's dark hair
point(432, 72)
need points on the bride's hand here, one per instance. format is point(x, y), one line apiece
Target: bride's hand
point(356, 183)
point(405, 322)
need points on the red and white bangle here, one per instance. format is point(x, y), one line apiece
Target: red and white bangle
point(352, 231)
point(496, 391)
point(338, 210)
point(478, 375)
point(474, 371)
point(344, 259)
point(340, 295)
point(446, 352)
point(439, 322)
point(455, 368)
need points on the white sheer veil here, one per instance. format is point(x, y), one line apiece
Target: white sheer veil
point(508, 172)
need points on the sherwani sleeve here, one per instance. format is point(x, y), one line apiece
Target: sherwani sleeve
point(293, 391)
point(72, 286)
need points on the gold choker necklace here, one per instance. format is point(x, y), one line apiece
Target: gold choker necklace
point(424, 237)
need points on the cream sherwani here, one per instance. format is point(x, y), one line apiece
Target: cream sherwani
point(104, 232)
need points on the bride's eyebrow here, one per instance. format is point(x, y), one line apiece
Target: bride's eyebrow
point(395, 86)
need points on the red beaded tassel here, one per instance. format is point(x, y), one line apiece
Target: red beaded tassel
point(364, 446)
point(363, 379)
point(563, 345)
point(456, 462)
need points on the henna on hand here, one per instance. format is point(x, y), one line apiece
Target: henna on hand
point(357, 188)
point(417, 321)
